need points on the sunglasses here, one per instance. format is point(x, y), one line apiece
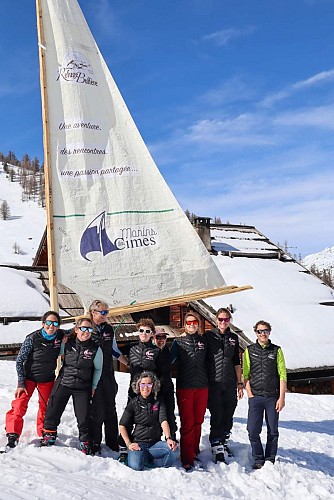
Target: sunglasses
point(143, 385)
point(104, 312)
point(48, 322)
point(224, 320)
point(265, 331)
point(141, 330)
point(84, 329)
point(161, 337)
point(192, 322)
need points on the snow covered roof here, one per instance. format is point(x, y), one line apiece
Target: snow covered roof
point(284, 294)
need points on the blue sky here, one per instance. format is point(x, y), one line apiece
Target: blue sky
point(234, 98)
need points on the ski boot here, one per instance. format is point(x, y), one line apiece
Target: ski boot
point(85, 447)
point(218, 452)
point(48, 438)
point(13, 440)
point(96, 449)
point(227, 448)
point(123, 455)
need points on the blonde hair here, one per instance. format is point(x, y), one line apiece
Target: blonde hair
point(194, 314)
point(95, 304)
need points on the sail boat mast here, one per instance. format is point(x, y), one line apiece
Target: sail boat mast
point(47, 162)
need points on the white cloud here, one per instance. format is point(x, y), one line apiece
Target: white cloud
point(320, 78)
point(223, 37)
point(317, 117)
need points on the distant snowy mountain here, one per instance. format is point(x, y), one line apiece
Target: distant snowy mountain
point(21, 233)
point(321, 260)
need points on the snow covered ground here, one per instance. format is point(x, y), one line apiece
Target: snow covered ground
point(24, 227)
point(304, 470)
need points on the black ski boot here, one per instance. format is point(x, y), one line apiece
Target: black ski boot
point(48, 438)
point(228, 450)
point(13, 440)
point(123, 455)
point(96, 449)
point(226, 444)
point(218, 452)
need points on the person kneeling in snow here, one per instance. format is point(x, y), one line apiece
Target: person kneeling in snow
point(265, 378)
point(78, 378)
point(147, 416)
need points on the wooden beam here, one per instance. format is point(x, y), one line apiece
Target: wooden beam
point(145, 306)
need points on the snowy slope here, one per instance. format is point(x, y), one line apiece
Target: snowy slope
point(25, 226)
point(305, 467)
point(321, 260)
point(289, 299)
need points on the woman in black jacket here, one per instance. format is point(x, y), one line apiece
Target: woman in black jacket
point(146, 415)
point(79, 376)
point(190, 352)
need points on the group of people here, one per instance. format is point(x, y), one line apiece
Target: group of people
point(208, 375)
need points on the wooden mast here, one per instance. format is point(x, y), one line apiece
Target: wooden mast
point(47, 162)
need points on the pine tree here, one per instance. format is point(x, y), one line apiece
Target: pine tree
point(4, 210)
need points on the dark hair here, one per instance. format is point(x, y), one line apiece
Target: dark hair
point(147, 322)
point(49, 313)
point(155, 381)
point(262, 322)
point(224, 310)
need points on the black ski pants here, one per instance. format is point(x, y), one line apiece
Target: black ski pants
point(168, 395)
point(222, 403)
point(103, 411)
point(56, 406)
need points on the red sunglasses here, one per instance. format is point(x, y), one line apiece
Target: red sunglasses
point(192, 322)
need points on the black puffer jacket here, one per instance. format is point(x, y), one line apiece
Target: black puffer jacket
point(223, 356)
point(264, 377)
point(146, 415)
point(42, 361)
point(165, 364)
point(144, 356)
point(104, 336)
point(190, 353)
point(77, 371)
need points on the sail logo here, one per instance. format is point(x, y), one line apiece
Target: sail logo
point(95, 238)
point(76, 69)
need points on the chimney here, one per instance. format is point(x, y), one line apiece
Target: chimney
point(202, 227)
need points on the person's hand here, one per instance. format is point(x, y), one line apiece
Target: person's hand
point(171, 444)
point(134, 447)
point(93, 392)
point(19, 391)
point(280, 403)
point(240, 392)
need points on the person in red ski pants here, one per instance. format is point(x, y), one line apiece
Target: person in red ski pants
point(35, 365)
point(190, 352)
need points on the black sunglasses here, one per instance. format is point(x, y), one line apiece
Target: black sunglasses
point(84, 329)
point(48, 322)
point(161, 337)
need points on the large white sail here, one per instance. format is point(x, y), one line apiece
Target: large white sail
point(119, 233)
